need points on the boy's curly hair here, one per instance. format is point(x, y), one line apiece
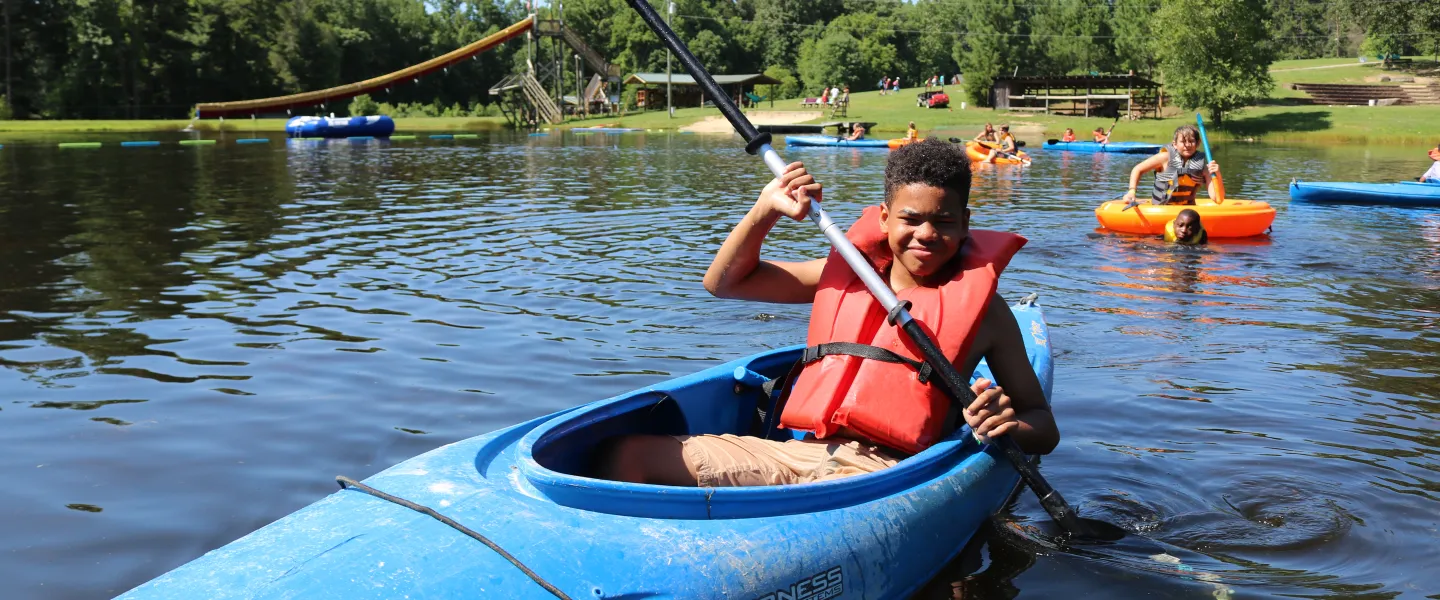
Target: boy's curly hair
point(932, 162)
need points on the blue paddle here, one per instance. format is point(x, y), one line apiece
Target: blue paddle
point(1219, 183)
point(951, 380)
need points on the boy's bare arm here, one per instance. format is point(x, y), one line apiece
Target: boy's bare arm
point(1016, 406)
point(738, 272)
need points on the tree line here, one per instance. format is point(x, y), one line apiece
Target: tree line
point(157, 58)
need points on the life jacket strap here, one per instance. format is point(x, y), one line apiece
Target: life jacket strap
point(866, 351)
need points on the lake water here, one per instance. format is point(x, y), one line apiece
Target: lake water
point(195, 341)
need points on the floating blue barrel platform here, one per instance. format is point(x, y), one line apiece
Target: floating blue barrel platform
point(527, 489)
point(344, 127)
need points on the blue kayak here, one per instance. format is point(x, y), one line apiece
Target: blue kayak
point(879, 535)
point(1110, 148)
point(828, 140)
point(1405, 193)
point(342, 127)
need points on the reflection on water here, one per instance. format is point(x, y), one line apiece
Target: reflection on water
point(193, 341)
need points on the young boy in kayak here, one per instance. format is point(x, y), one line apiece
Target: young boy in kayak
point(1433, 175)
point(921, 236)
point(1179, 171)
point(912, 134)
point(1186, 229)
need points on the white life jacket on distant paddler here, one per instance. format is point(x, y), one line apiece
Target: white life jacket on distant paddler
point(893, 403)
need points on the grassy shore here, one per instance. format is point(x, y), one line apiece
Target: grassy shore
point(264, 126)
point(1278, 120)
point(893, 113)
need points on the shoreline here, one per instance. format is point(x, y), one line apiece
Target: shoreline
point(1293, 124)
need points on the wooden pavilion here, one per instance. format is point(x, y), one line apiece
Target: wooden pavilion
point(1081, 95)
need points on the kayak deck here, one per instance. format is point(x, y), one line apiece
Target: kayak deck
point(1232, 219)
point(826, 140)
point(1107, 148)
point(1406, 193)
point(523, 487)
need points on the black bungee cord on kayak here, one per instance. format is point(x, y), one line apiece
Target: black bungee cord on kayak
point(347, 483)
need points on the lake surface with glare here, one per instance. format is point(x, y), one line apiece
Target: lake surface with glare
point(195, 341)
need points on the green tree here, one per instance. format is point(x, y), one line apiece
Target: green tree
point(1072, 37)
point(789, 86)
point(1220, 60)
point(1299, 27)
point(363, 105)
point(1130, 24)
point(993, 45)
point(833, 60)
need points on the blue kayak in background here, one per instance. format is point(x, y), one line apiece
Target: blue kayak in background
point(340, 127)
point(1112, 147)
point(828, 140)
point(1404, 193)
point(877, 535)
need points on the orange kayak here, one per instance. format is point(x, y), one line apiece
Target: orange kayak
point(977, 153)
point(898, 142)
point(1233, 219)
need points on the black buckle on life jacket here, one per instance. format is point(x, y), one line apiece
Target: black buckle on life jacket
point(901, 306)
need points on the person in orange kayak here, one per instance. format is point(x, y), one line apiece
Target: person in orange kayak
point(862, 412)
point(912, 134)
point(988, 134)
point(1186, 229)
point(1006, 146)
point(1100, 136)
point(1069, 135)
point(1179, 170)
point(1433, 174)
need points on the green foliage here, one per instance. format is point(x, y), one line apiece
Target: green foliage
point(5, 112)
point(993, 47)
point(1219, 61)
point(789, 84)
point(157, 58)
point(1130, 22)
point(1069, 37)
point(834, 60)
point(1390, 27)
point(1302, 28)
point(364, 105)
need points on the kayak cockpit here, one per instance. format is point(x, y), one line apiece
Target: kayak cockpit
point(556, 458)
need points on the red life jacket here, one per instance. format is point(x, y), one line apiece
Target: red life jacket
point(883, 401)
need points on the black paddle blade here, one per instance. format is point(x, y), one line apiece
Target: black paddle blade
point(1052, 141)
point(955, 140)
point(1093, 530)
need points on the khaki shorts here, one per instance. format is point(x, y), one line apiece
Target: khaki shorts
point(733, 461)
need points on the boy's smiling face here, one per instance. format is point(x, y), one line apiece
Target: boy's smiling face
point(925, 226)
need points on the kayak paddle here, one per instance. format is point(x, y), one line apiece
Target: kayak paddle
point(1219, 183)
point(954, 383)
point(1111, 130)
